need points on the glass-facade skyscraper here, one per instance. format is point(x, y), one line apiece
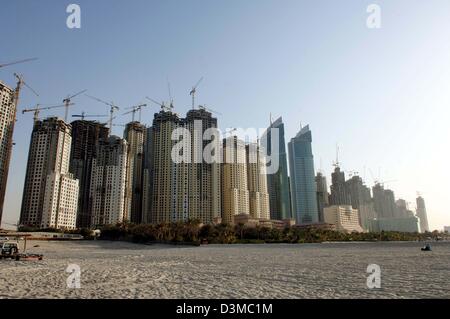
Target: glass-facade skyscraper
point(278, 183)
point(303, 185)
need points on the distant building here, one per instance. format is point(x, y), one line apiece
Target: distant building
point(108, 182)
point(50, 194)
point(405, 224)
point(147, 177)
point(85, 138)
point(278, 183)
point(8, 107)
point(384, 201)
point(135, 135)
point(446, 229)
point(360, 199)
point(257, 181)
point(303, 185)
point(322, 194)
point(235, 195)
point(402, 209)
point(344, 217)
point(338, 190)
point(421, 212)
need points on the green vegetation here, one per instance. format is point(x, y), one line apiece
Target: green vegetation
point(192, 232)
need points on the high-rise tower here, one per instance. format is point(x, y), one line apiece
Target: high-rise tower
point(8, 106)
point(108, 182)
point(421, 212)
point(278, 183)
point(50, 195)
point(303, 186)
point(135, 135)
point(235, 195)
point(85, 138)
point(257, 181)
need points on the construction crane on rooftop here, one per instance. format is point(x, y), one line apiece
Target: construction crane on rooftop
point(193, 91)
point(203, 107)
point(67, 100)
point(112, 108)
point(163, 106)
point(38, 109)
point(83, 115)
point(17, 62)
point(134, 109)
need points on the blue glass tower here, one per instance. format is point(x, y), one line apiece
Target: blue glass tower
point(278, 183)
point(302, 177)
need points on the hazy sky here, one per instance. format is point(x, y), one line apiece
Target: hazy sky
point(382, 94)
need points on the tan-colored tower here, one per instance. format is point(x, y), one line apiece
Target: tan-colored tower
point(235, 196)
point(167, 179)
point(257, 182)
point(8, 106)
point(50, 191)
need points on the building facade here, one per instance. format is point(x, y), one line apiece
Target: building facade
point(384, 201)
point(322, 194)
point(204, 198)
point(108, 183)
point(135, 135)
point(345, 217)
point(235, 195)
point(338, 190)
point(8, 107)
point(168, 188)
point(85, 138)
point(257, 181)
point(278, 183)
point(302, 178)
point(47, 180)
point(421, 213)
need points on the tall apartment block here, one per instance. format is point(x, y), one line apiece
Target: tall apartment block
point(278, 183)
point(360, 199)
point(303, 185)
point(203, 177)
point(322, 194)
point(235, 194)
point(135, 135)
point(147, 177)
point(169, 187)
point(257, 181)
point(8, 107)
point(108, 182)
point(338, 190)
point(421, 212)
point(384, 201)
point(85, 138)
point(50, 196)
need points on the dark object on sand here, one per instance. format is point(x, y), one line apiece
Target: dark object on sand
point(35, 246)
point(426, 248)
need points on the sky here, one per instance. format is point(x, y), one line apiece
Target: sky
point(381, 94)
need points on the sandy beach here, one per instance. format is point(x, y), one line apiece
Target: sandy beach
point(332, 270)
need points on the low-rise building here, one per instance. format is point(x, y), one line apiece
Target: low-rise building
point(344, 217)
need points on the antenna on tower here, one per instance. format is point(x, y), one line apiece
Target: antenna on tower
point(336, 163)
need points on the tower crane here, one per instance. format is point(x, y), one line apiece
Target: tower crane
point(67, 100)
point(83, 115)
point(37, 109)
point(134, 109)
point(17, 62)
point(112, 108)
point(163, 106)
point(203, 107)
point(193, 91)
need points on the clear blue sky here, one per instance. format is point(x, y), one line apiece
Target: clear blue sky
point(382, 94)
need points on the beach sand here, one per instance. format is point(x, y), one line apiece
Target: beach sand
point(126, 270)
